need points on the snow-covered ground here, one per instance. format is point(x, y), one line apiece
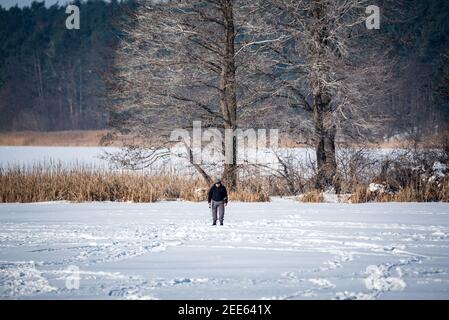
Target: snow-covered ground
point(277, 250)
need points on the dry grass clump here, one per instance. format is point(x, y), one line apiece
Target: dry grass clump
point(54, 183)
point(242, 195)
point(248, 196)
point(313, 196)
point(81, 184)
point(54, 138)
point(359, 195)
point(425, 193)
point(194, 195)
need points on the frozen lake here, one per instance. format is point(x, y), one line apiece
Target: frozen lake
point(67, 157)
point(277, 250)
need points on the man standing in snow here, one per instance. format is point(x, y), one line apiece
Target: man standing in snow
point(217, 199)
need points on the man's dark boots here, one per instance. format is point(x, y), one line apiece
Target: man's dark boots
point(214, 223)
point(221, 223)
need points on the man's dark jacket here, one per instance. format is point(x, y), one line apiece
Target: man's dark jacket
point(218, 194)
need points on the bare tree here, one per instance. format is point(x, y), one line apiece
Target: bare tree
point(176, 64)
point(326, 64)
point(230, 63)
point(181, 61)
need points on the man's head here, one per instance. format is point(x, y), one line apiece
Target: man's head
point(218, 183)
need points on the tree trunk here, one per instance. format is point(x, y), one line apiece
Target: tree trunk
point(203, 174)
point(198, 168)
point(324, 132)
point(325, 146)
point(228, 101)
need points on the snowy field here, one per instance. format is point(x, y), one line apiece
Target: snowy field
point(278, 250)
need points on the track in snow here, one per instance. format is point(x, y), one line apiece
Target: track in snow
point(278, 250)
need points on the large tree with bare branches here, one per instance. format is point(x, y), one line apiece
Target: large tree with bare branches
point(183, 61)
point(177, 63)
point(326, 64)
point(233, 62)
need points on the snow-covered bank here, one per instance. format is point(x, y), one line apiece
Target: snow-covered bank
point(278, 250)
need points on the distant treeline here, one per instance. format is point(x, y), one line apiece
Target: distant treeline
point(52, 78)
point(419, 32)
